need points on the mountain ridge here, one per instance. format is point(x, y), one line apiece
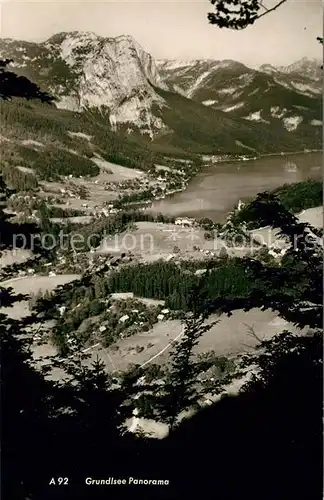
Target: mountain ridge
point(283, 97)
point(92, 71)
point(203, 105)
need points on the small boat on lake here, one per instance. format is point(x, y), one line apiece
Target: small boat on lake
point(291, 166)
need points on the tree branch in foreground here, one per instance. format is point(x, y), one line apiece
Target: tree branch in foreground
point(238, 14)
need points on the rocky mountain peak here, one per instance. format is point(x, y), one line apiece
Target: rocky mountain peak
point(307, 67)
point(119, 78)
point(85, 70)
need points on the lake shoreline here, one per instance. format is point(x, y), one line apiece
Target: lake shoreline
point(267, 155)
point(212, 176)
point(229, 160)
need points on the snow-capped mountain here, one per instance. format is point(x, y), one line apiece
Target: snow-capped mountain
point(188, 77)
point(304, 76)
point(305, 67)
point(85, 70)
point(308, 68)
point(183, 106)
point(291, 96)
point(268, 68)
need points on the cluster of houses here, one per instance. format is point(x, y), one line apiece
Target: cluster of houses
point(73, 344)
point(159, 187)
point(105, 210)
point(128, 184)
point(222, 158)
point(160, 317)
point(184, 221)
point(69, 193)
point(22, 273)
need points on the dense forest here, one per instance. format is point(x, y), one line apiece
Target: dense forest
point(161, 280)
point(294, 197)
point(49, 127)
point(167, 281)
point(301, 195)
point(18, 179)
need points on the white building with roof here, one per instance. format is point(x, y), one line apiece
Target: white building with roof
point(184, 221)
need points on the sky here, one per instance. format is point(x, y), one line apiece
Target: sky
point(174, 29)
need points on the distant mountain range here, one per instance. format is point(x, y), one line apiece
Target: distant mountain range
point(176, 107)
point(291, 94)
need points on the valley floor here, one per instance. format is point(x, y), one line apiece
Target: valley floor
point(230, 336)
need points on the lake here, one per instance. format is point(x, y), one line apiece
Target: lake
point(214, 192)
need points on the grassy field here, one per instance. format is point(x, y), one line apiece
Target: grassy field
point(313, 216)
point(117, 173)
point(32, 284)
point(9, 257)
point(230, 336)
point(152, 241)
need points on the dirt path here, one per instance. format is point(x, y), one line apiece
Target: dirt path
point(230, 336)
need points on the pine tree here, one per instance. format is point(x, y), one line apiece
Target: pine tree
point(179, 390)
point(99, 288)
